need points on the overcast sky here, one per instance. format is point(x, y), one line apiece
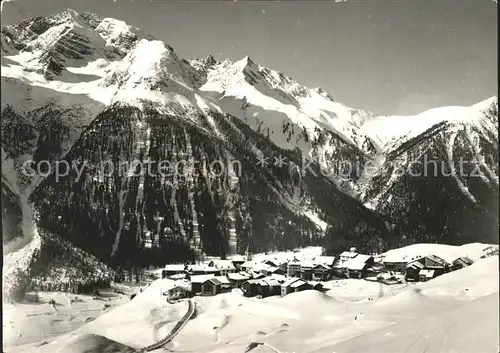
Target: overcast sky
point(390, 57)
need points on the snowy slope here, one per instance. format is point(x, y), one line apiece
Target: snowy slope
point(433, 315)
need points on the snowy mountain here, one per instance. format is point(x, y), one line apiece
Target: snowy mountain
point(88, 91)
point(439, 178)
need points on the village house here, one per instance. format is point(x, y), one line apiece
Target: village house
point(254, 275)
point(179, 291)
point(294, 268)
point(300, 285)
point(171, 270)
point(395, 262)
point(237, 279)
point(306, 270)
point(223, 266)
point(247, 265)
point(426, 267)
point(426, 274)
point(283, 266)
point(268, 269)
point(489, 251)
point(356, 266)
point(267, 287)
point(249, 287)
point(460, 263)
point(280, 278)
point(179, 276)
point(215, 285)
point(197, 281)
point(347, 255)
point(374, 270)
point(237, 261)
point(204, 269)
point(269, 263)
point(317, 286)
point(339, 267)
point(285, 286)
point(324, 260)
point(321, 272)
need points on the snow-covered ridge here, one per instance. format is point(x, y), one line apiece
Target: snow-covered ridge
point(267, 100)
point(394, 130)
point(51, 43)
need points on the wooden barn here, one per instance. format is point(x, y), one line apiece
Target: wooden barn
point(357, 266)
point(249, 287)
point(215, 285)
point(178, 292)
point(197, 282)
point(321, 272)
point(267, 287)
point(460, 263)
point(432, 265)
point(237, 279)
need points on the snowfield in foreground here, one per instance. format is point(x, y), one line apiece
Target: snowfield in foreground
point(354, 316)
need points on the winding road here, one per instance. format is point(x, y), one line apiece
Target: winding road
point(180, 325)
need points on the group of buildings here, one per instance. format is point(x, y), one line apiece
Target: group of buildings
point(270, 275)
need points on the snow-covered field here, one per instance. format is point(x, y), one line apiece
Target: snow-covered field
point(456, 312)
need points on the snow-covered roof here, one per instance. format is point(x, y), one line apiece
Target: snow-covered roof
point(183, 286)
point(415, 264)
point(195, 267)
point(248, 264)
point(201, 268)
point(358, 263)
point(298, 283)
point(294, 262)
point(223, 265)
point(426, 273)
point(174, 267)
point(437, 259)
point(349, 254)
point(279, 278)
point(261, 266)
point(315, 283)
point(238, 276)
point(256, 274)
point(218, 280)
point(464, 259)
point(323, 266)
point(238, 258)
point(178, 276)
point(201, 278)
point(306, 264)
point(395, 257)
point(324, 260)
point(213, 280)
point(289, 281)
point(269, 281)
point(222, 279)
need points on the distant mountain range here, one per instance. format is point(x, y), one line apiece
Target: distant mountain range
point(310, 170)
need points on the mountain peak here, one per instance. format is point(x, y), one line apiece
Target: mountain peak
point(322, 93)
point(71, 13)
point(210, 60)
point(246, 62)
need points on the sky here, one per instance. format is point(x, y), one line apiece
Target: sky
point(389, 57)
